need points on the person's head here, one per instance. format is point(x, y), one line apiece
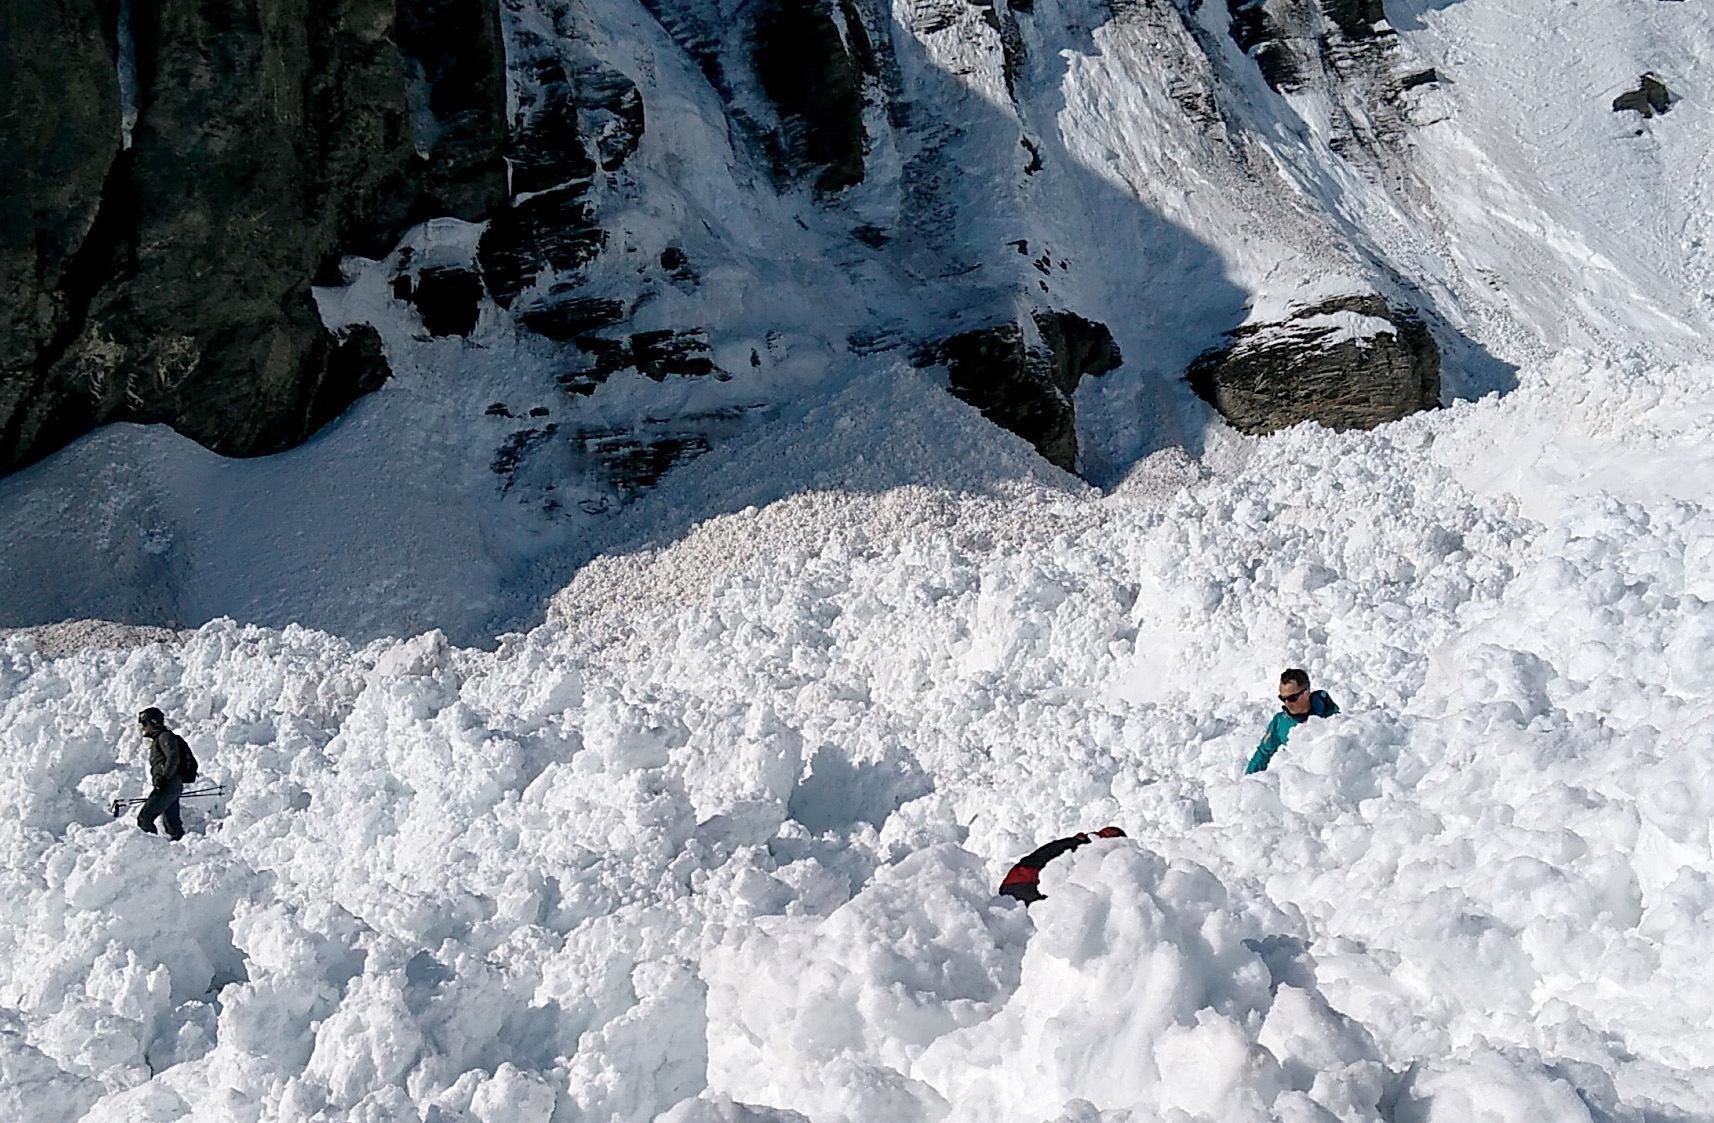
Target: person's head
point(1294, 690)
point(152, 720)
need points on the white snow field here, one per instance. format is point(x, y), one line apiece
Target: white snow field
point(719, 841)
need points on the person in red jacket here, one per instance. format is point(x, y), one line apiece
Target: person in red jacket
point(1020, 880)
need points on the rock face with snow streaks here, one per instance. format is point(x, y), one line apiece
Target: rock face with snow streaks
point(162, 243)
point(1350, 363)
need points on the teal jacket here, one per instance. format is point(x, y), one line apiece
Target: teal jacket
point(1279, 729)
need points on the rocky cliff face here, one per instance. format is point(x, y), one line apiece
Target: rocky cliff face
point(692, 209)
point(209, 165)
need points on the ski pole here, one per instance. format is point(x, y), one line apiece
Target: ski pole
point(120, 805)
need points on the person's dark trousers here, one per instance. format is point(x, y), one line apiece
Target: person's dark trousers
point(163, 803)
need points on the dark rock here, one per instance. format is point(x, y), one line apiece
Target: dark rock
point(547, 148)
point(573, 117)
point(555, 231)
point(815, 81)
point(1014, 54)
point(171, 282)
point(1421, 78)
point(634, 462)
point(539, 411)
point(613, 106)
point(677, 266)
point(1035, 165)
point(656, 354)
point(569, 320)
point(1080, 348)
point(871, 235)
point(989, 15)
point(1307, 368)
point(447, 299)
point(1025, 385)
point(605, 358)
point(666, 352)
point(1258, 35)
point(1651, 97)
point(1356, 18)
point(517, 446)
point(497, 409)
point(355, 365)
point(874, 340)
point(58, 143)
point(454, 51)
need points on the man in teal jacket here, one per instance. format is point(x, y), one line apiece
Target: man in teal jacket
point(1297, 705)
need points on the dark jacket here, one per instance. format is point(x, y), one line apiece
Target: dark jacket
point(1020, 880)
point(166, 757)
point(1279, 729)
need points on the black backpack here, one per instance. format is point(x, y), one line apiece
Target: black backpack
point(187, 762)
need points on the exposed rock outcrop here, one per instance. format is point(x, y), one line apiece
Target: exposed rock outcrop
point(1256, 32)
point(1651, 97)
point(1356, 18)
point(814, 76)
point(1022, 376)
point(269, 139)
point(1349, 363)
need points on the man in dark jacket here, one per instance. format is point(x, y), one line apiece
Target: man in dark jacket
point(1020, 880)
point(1298, 703)
point(166, 762)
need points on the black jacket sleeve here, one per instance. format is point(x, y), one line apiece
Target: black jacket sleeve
point(164, 758)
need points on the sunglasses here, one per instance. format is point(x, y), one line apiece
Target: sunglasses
point(1291, 697)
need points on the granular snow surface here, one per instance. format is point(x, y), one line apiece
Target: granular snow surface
point(730, 854)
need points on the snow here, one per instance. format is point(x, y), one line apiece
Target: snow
point(719, 840)
point(1333, 328)
point(692, 810)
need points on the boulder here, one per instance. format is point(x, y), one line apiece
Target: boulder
point(1022, 376)
point(1349, 363)
point(1650, 98)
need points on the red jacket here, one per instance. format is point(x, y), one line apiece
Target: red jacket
point(1020, 880)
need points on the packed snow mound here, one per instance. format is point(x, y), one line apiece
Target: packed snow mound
point(734, 861)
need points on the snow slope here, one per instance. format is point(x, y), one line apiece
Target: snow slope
point(718, 841)
point(1177, 197)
